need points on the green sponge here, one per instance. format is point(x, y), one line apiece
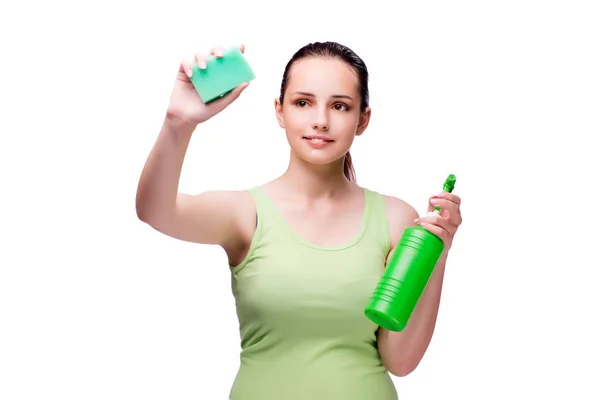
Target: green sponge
point(221, 75)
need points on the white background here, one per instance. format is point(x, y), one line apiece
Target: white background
point(96, 305)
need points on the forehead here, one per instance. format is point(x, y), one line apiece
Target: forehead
point(322, 75)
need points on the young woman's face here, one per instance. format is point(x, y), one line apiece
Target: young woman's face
point(321, 110)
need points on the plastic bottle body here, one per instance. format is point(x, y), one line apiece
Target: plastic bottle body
point(404, 279)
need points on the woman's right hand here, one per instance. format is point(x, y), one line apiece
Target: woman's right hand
point(185, 105)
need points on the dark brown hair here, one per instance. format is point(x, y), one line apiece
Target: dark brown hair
point(334, 50)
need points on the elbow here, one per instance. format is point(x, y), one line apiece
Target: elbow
point(144, 211)
point(401, 372)
point(141, 211)
point(145, 207)
point(149, 215)
point(402, 369)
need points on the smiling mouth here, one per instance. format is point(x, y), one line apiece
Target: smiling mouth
point(317, 140)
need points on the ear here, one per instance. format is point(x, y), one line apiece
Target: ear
point(363, 122)
point(279, 113)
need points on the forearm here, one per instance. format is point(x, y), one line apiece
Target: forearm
point(159, 182)
point(403, 351)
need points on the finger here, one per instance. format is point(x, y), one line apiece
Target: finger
point(438, 220)
point(217, 51)
point(228, 98)
point(242, 48)
point(454, 218)
point(444, 204)
point(448, 196)
point(438, 231)
point(200, 59)
point(186, 67)
point(449, 209)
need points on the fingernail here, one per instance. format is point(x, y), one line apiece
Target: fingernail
point(188, 72)
point(434, 200)
point(202, 64)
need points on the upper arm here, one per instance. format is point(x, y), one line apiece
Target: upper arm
point(211, 217)
point(400, 215)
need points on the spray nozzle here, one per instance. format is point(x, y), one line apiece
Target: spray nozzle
point(449, 184)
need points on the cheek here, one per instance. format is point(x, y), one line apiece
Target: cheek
point(345, 125)
point(296, 123)
point(346, 121)
point(293, 118)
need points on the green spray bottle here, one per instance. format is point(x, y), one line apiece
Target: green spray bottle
point(406, 275)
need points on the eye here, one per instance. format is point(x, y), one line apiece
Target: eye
point(301, 103)
point(341, 107)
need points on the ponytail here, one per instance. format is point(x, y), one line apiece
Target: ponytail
point(349, 168)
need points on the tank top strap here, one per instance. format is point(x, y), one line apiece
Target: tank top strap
point(266, 214)
point(266, 217)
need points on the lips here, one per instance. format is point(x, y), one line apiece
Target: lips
point(317, 139)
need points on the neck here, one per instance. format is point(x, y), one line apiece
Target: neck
point(316, 181)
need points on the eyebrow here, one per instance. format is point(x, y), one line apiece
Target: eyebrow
point(335, 96)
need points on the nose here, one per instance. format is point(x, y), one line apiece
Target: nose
point(321, 119)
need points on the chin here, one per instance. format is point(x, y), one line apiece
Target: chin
point(320, 156)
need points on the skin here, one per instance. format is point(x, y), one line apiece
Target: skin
point(313, 195)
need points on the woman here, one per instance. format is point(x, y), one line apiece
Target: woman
point(307, 248)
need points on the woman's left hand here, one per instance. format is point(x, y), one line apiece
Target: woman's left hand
point(446, 223)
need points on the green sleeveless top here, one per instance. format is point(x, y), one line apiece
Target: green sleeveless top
point(304, 335)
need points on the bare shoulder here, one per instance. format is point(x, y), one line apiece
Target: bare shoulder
point(241, 205)
point(400, 215)
point(231, 216)
point(239, 202)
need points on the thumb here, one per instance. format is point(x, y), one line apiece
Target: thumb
point(230, 97)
